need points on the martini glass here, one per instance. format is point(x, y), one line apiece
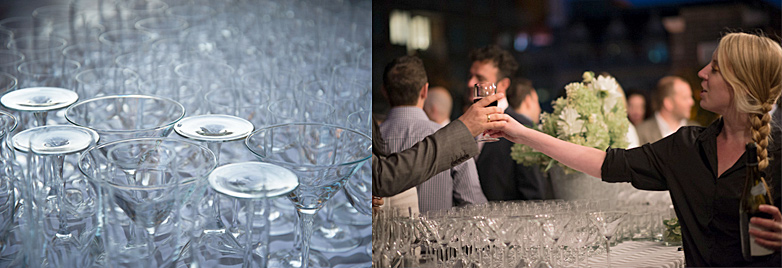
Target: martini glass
point(323, 157)
point(39, 101)
point(126, 116)
point(553, 224)
point(145, 184)
point(252, 184)
point(47, 147)
point(607, 222)
point(214, 129)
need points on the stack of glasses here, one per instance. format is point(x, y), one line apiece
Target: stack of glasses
point(160, 133)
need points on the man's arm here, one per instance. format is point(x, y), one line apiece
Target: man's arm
point(448, 147)
point(395, 173)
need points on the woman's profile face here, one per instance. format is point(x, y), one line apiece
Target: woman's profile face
point(716, 94)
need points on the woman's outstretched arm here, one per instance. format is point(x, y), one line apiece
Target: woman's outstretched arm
point(585, 159)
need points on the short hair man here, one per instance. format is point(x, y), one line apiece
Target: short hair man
point(438, 105)
point(672, 102)
point(405, 86)
point(501, 177)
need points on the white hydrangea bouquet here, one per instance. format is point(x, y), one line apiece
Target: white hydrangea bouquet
point(592, 114)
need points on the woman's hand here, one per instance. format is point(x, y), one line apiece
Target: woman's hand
point(513, 131)
point(772, 237)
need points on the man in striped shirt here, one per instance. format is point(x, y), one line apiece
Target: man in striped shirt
point(405, 86)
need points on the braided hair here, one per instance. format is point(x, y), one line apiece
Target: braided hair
point(752, 66)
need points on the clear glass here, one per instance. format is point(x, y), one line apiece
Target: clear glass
point(251, 185)
point(106, 81)
point(39, 101)
point(323, 157)
point(480, 91)
point(607, 222)
point(126, 116)
point(61, 225)
point(146, 184)
point(47, 73)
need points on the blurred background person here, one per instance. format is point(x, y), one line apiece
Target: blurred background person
point(672, 101)
point(636, 106)
point(438, 105)
point(501, 177)
point(406, 87)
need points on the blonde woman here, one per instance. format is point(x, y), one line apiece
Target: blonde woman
point(702, 167)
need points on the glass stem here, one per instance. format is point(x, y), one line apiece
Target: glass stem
point(151, 245)
point(608, 252)
point(306, 218)
point(40, 118)
point(248, 249)
point(59, 181)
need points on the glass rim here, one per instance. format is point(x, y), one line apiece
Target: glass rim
point(148, 140)
point(276, 126)
point(70, 119)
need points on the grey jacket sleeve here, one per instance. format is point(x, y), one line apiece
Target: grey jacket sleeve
point(397, 172)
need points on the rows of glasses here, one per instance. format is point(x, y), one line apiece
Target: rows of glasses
point(547, 233)
point(159, 133)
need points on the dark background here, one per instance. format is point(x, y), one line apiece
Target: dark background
point(636, 41)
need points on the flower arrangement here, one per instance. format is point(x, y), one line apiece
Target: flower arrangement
point(592, 114)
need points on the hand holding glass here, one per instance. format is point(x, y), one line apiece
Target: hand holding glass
point(482, 90)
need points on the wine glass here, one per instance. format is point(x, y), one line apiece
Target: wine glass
point(324, 157)
point(39, 101)
point(47, 148)
point(126, 116)
point(480, 91)
point(251, 184)
point(214, 129)
point(553, 224)
point(146, 183)
point(607, 222)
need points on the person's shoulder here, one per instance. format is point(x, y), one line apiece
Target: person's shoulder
point(646, 124)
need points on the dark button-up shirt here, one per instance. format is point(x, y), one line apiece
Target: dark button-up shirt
point(707, 205)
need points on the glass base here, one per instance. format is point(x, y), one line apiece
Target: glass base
point(291, 259)
point(332, 237)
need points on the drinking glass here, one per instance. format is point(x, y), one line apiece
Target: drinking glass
point(293, 110)
point(39, 101)
point(8, 196)
point(145, 185)
point(214, 130)
point(51, 193)
point(180, 90)
point(250, 104)
point(99, 82)
point(607, 222)
point(480, 91)
point(38, 47)
point(251, 185)
point(125, 40)
point(5, 37)
point(19, 25)
point(89, 54)
point(9, 61)
point(162, 27)
point(323, 157)
point(126, 116)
